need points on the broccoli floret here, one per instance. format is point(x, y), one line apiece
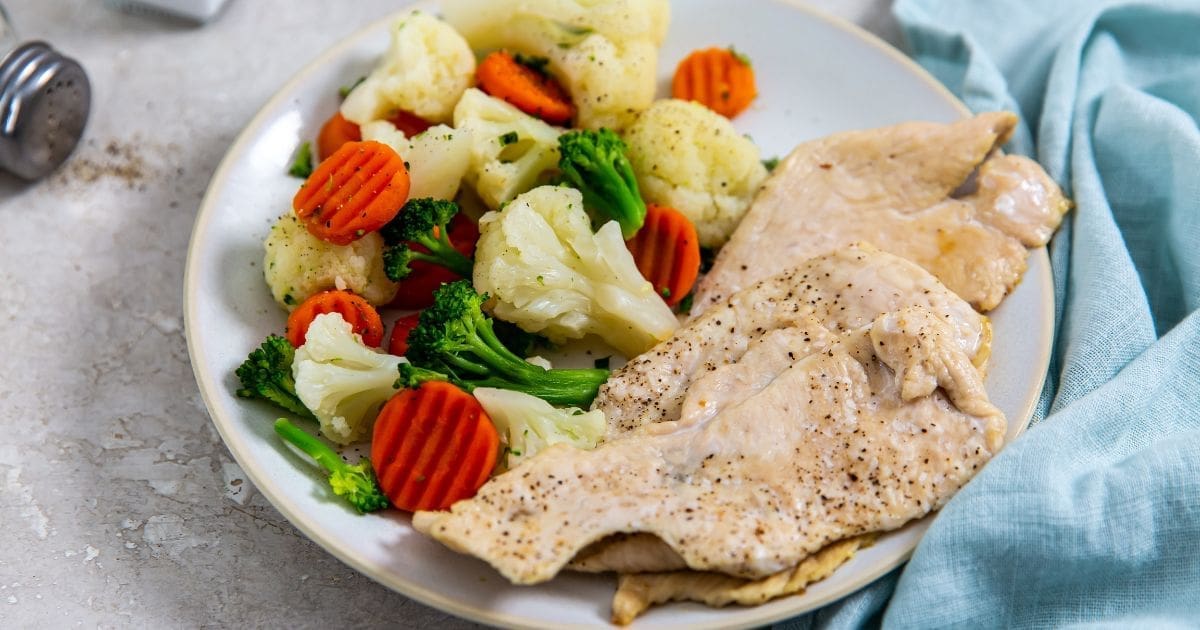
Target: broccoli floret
point(356, 483)
point(423, 222)
point(594, 162)
point(267, 374)
point(455, 341)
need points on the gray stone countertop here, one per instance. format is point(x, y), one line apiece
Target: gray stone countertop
point(120, 505)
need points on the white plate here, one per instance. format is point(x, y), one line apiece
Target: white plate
point(816, 75)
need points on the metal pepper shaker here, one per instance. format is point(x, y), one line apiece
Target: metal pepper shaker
point(45, 98)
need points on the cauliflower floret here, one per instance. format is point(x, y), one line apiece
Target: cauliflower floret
point(298, 265)
point(425, 71)
point(604, 52)
point(437, 158)
point(528, 424)
point(341, 380)
point(550, 275)
point(509, 148)
point(690, 158)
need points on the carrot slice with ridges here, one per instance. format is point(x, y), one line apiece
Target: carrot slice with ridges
point(357, 312)
point(718, 78)
point(533, 92)
point(356, 190)
point(667, 252)
point(433, 446)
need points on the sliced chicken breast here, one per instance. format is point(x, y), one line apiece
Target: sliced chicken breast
point(842, 291)
point(923, 191)
point(829, 449)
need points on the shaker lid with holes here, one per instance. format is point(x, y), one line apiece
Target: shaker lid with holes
point(45, 98)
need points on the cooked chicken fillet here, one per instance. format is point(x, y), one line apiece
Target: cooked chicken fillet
point(895, 187)
point(627, 553)
point(910, 340)
point(828, 450)
point(844, 290)
point(636, 593)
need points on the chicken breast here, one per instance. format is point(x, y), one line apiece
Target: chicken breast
point(841, 291)
point(924, 191)
point(637, 592)
point(834, 447)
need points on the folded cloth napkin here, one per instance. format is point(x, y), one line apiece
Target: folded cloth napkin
point(1093, 516)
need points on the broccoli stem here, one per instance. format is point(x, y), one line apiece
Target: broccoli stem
point(356, 484)
point(442, 252)
point(314, 448)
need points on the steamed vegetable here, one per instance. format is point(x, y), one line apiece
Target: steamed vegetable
point(528, 89)
point(438, 158)
point(398, 340)
point(667, 252)
point(302, 163)
point(551, 275)
point(341, 380)
point(267, 375)
point(361, 316)
point(510, 149)
point(529, 424)
point(334, 133)
point(297, 265)
point(422, 222)
point(604, 52)
point(355, 191)
point(416, 291)
point(455, 341)
point(355, 483)
point(424, 72)
point(721, 79)
point(594, 162)
point(692, 159)
point(433, 446)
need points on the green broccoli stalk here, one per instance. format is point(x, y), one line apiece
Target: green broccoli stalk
point(594, 162)
point(455, 341)
point(424, 222)
point(267, 374)
point(356, 483)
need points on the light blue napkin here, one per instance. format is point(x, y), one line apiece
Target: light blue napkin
point(1092, 517)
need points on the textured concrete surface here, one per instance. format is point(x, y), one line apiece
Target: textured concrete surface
point(120, 505)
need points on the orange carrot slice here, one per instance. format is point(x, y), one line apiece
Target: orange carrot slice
point(433, 446)
point(667, 252)
point(535, 93)
point(356, 190)
point(398, 342)
point(354, 309)
point(718, 78)
point(334, 133)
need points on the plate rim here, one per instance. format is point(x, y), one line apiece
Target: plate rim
point(428, 596)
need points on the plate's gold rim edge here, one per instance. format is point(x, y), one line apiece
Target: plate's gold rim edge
point(378, 572)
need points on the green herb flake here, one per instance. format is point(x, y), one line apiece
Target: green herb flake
point(541, 280)
point(288, 299)
point(771, 163)
point(302, 163)
point(508, 138)
point(535, 63)
point(666, 292)
point(740, 56)
point(345, 90)
point(685, 304)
